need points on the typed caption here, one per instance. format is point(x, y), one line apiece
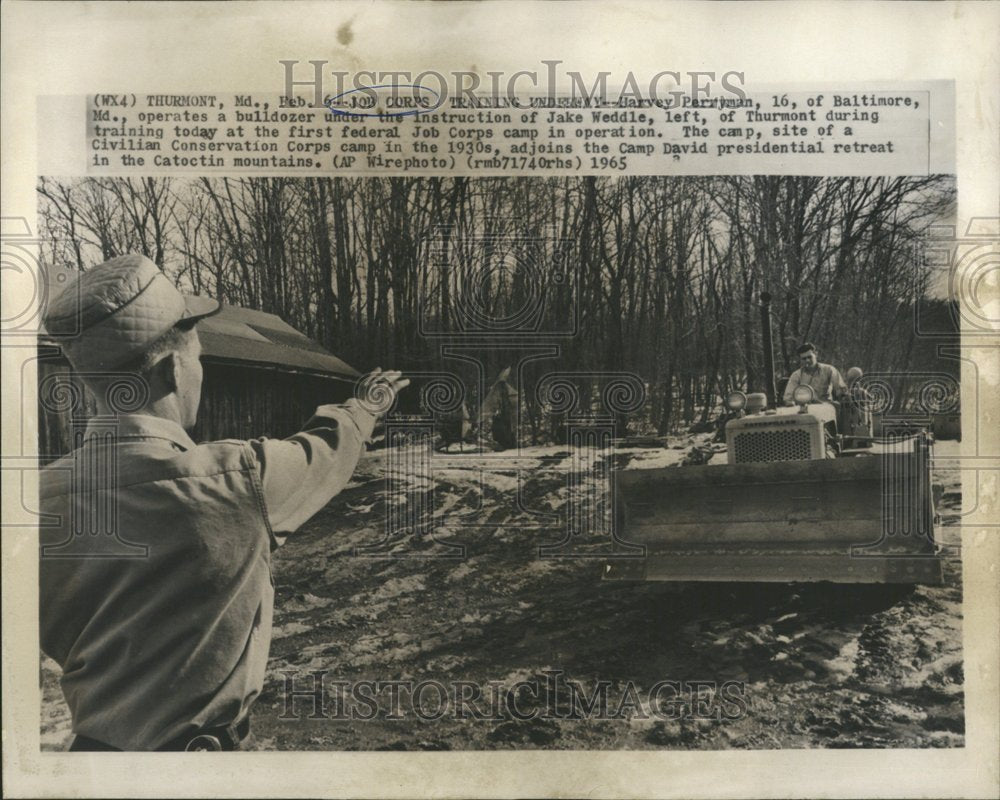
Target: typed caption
point(389, 132)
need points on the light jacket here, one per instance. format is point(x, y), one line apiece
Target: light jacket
point(156, 594)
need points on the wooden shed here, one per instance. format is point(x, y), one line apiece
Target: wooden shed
point(262, 377)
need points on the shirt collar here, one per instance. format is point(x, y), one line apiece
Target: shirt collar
point(143, 426)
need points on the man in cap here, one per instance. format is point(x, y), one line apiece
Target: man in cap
point(163, 637)
point(825, 380)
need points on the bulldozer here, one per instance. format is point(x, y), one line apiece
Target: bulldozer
point(807, 494)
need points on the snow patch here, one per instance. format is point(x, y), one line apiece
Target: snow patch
point(289, 629)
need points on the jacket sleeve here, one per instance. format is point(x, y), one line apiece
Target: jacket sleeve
point(837, 385)
point(301, 474)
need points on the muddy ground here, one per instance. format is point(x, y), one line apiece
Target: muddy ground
point(792, 665)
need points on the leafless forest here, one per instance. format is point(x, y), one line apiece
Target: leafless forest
point(662, 275)
point(663, 279)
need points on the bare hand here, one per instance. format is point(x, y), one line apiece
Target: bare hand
point(377, 390)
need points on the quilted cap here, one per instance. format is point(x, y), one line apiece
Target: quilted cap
point(110, 314)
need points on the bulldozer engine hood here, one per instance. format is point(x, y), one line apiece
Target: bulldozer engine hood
point(824, 412)
point(818, 413)
point(783, 435)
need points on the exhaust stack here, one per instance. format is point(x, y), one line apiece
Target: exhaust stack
point(770, 388)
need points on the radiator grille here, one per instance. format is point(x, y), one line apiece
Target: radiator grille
point(785, 445)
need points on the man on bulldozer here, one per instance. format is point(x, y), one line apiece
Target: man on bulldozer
point(793, 502)
point(824, 379)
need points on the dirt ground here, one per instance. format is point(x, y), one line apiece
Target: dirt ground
point(815, 665)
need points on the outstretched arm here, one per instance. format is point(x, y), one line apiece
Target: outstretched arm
point(301, 474)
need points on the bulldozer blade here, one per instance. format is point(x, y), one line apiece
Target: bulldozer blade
point(854, 520)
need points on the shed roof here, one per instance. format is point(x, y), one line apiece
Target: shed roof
point(244, 336)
